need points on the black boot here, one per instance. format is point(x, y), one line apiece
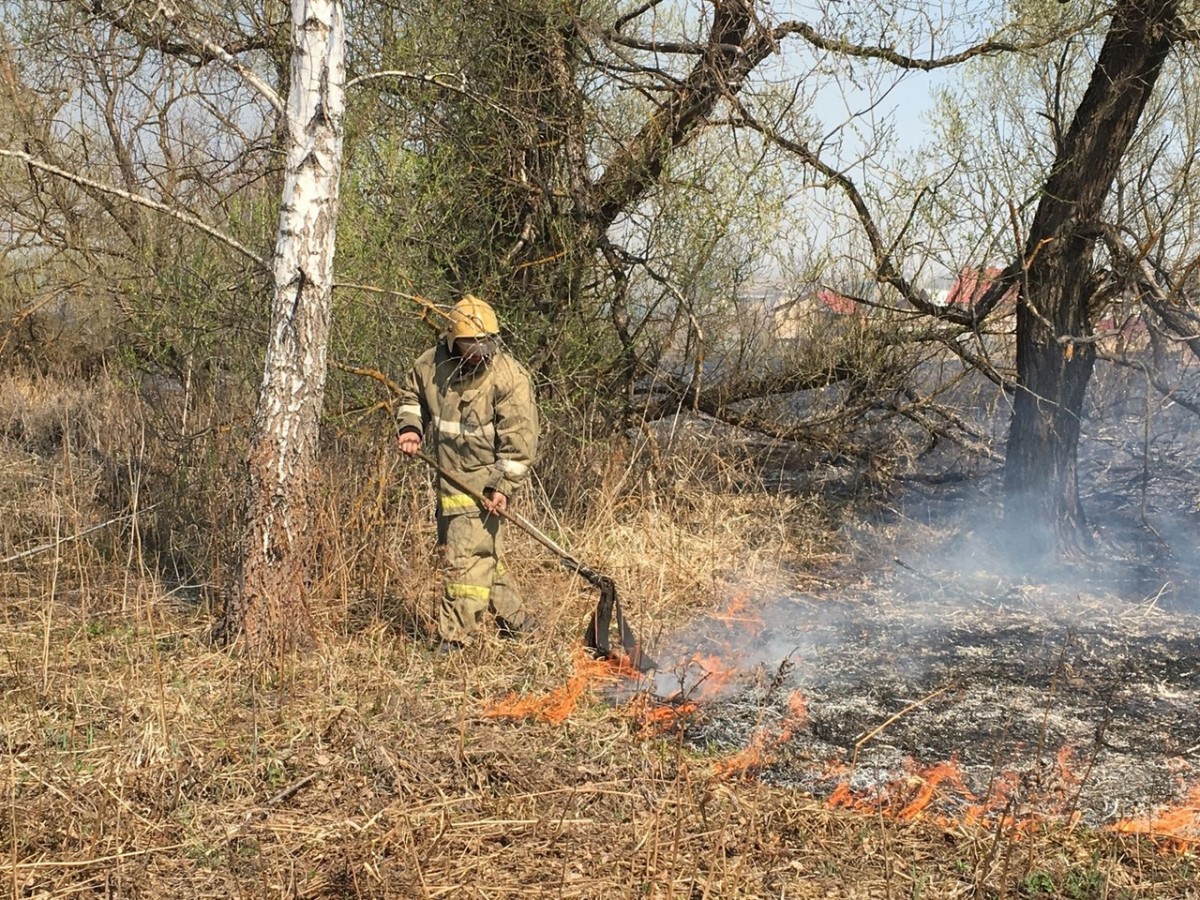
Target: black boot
point(514, 631)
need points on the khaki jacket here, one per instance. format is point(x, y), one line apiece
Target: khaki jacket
point(481, 427)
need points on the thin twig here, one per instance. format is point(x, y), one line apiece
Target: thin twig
point(71, 537)
point(173, 212)
point(870, 734)
point(292, 788)
point(216, 51)
point(83, 863)
point(427, 307)
point(368, 372)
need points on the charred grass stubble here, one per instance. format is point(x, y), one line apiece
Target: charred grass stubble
point(139, 761)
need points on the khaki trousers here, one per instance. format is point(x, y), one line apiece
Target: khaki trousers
point(474, 579)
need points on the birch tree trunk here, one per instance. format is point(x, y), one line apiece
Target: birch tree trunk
point(269, 611)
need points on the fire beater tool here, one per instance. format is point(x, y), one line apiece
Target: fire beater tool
point(596, 637)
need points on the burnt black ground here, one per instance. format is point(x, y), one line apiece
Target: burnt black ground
point(1099, 655)
point(1022, 678)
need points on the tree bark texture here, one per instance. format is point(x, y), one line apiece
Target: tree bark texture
point(1054, 358)
point(733, 47)
point(269, 612)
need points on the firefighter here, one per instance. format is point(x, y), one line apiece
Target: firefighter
point(471, 404)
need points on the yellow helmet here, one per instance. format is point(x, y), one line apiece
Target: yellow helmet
point(472, 318)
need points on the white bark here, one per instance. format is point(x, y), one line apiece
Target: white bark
point(271, 610)
point(215, 50)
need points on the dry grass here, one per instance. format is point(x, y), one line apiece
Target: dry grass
point(140, 762)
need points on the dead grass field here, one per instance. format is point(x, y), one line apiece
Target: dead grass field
point(138, 761)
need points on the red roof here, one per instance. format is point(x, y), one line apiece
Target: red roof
point(835, 302)
point(971, 285)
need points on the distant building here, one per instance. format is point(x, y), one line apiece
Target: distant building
point(837, 303)
point(795, 317)
point(970, 286)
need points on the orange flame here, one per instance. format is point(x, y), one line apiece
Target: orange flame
point(1066, 755)
point(927, 788)
point(910, 798)
point(717, 674)
point(747, 760)
point(761, 750)
point(918, 795)
point(797, 714)
point(555, 706)
point(998, 798)
point(655, 720)
point(1179, 825)
point(842, 797)
point(702, 677)
point(913, 797)
point(735, 615)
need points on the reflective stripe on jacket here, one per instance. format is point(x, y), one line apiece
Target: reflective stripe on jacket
point(480, 426)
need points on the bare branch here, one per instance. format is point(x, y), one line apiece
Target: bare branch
point(446, 81)
point(1172, 394)
point(430, 312)
point(194, 43)
point(42, 548)
point(148, 36)
point(635, 13)
point(173, 212)
point(959, 431)
point(682, 48)
point(886, 271)
point(436, 79)
point(891, 55)
point(716, 400)
point(734, 47)
point(247, 74)
point(1179, 320)
point(368, 372)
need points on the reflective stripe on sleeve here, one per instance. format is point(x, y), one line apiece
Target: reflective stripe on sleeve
point(512, 467)
point(409, 409)
point(454, 502)
point(458, 591)
point(458, 429)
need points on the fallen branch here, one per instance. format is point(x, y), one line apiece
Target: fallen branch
point(33, 551)
point(293, 788)
point(177, 214)
point(858, 744)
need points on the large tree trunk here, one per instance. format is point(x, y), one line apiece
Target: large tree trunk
point(270, 612)
point(1041, 478)
point(1054, 358)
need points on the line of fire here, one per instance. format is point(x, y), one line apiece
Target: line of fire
point(947, 687)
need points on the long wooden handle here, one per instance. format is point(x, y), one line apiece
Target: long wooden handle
point(596, 636)
point(520, 521)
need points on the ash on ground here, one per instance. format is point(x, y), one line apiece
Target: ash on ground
point(1102, 717)
point(1078, 687)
